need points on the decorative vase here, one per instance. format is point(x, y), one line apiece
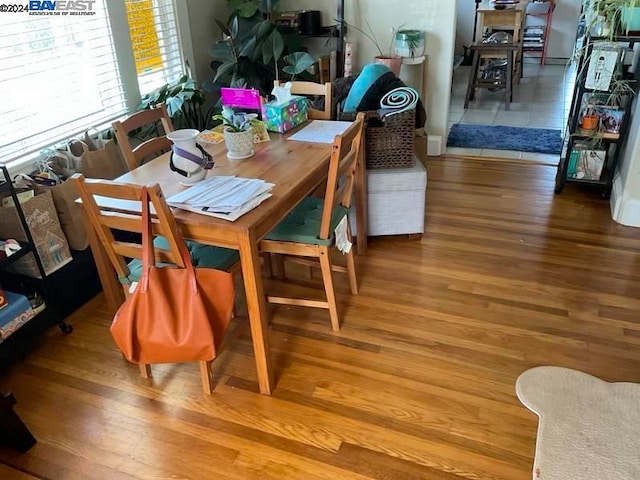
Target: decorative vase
point(409, 43)
point(239, 144)
point(394, 62)
point(188, 161)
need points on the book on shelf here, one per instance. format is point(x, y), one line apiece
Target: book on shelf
point(586, 164)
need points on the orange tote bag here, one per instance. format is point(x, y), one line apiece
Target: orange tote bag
point(174, 314)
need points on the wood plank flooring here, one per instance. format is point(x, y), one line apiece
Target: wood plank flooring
point(418, 384)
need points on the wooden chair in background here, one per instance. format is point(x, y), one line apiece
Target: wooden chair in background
point(165, 232)
point(308, 231)
point(310, 88)
point(153, 146)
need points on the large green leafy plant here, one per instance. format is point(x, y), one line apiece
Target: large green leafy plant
point(252, 46)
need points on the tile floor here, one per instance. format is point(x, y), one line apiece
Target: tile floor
point(541, 100)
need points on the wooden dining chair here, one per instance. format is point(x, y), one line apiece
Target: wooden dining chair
point(308, 231)
point(311, 88)
point(128, 218)
point(153, 146)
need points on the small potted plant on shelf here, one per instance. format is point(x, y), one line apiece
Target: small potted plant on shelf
point(608, 18)
point(238, 132)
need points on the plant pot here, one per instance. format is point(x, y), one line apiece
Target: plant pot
point(186, 171)
point(590, 122)
point(630, 18)
point(394, 62)
point(409, 43)
point(239, 144)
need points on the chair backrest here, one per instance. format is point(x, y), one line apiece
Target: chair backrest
point(310, 88)
point(127, 217)
point(347, 149)
point(153, 146)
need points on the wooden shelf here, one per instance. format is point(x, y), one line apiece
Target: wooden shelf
point(590, 134)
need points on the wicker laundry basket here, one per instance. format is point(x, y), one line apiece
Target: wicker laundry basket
point(389, 141)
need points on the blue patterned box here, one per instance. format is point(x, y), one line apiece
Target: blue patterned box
point(281, 117)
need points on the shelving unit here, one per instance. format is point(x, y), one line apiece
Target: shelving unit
point(584, 146)
point(43, 284)
point(535, 38)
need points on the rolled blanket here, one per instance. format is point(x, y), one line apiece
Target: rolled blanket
point(399, 100)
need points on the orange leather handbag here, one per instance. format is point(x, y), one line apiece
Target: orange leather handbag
point(174, 314)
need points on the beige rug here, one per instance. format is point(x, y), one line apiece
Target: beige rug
point(589, 429)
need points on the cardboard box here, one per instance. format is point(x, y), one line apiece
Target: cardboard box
point(281, 117)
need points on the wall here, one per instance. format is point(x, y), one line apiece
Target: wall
point(625, 199)
point(199, 31)
point(435, 17)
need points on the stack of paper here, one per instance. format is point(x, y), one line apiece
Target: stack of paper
point(223, 197)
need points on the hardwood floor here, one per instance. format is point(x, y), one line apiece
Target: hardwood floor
point(418, 384)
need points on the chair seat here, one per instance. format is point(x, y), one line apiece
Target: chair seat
point(302, 225)
point(202, 256)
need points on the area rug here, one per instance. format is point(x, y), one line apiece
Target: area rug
point(498, 137)
point(589, 429)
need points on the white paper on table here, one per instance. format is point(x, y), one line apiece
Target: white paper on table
point(226, 197)
point(320, 131)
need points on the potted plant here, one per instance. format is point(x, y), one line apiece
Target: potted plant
point(184, 101)
point(611, 14)
point(409, 43)
point(391, 60)
point(238, 132)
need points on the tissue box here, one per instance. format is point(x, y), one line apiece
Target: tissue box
point(281, 117)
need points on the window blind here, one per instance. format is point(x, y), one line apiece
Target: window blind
point(59, 75)
point(155, 42)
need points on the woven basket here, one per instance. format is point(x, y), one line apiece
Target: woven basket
point(389, 142)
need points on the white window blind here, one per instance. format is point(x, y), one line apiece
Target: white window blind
point(155, 42)
point(61, 74)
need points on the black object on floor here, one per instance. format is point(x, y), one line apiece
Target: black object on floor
point(13, 432)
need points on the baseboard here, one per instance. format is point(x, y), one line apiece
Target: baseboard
point(624, 210)
point(434, 146)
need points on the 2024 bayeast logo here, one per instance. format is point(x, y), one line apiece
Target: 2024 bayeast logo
point(62, 7)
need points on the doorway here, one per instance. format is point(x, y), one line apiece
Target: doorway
point(542, 97)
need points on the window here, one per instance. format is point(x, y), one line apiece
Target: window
point(61, 74)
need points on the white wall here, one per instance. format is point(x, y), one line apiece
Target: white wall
point(563, 29)
point(435, 17)
point(625, 200)
point(197, 21)
point(466, 12)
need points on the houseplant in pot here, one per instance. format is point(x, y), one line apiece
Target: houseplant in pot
point(390, 59)
point(238, 133)
point(622, 13)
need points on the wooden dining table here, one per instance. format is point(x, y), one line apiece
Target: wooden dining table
point(296, 169)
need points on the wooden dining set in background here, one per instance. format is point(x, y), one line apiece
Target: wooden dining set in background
point(295, 168)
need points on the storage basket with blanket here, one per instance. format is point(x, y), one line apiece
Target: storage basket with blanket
point(393, 110)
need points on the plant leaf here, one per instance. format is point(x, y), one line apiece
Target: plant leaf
point(234, 28)
point(221, 51)
point(298, 62)
point(278, 44)
point(174, 104)
point(262, 29)
point(223, 69)
point(248, 48)
point(267, 50)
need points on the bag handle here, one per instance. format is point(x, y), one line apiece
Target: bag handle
point(148, 253)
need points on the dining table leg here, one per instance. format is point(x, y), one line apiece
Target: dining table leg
point(254, 293)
